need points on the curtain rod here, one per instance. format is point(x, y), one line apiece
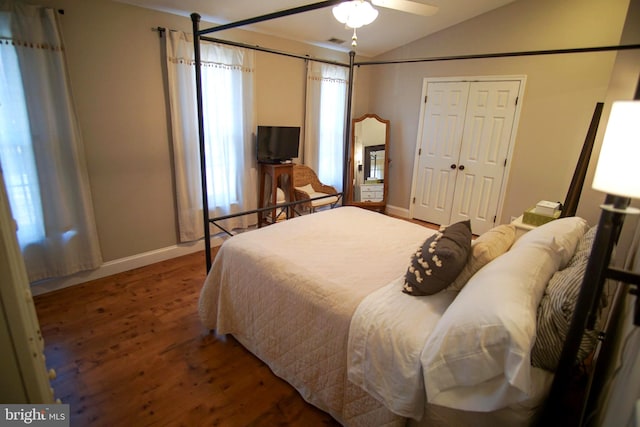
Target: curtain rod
point(503, 55)
point(277, 52)
point(162, 30)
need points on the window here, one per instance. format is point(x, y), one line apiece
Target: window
point(221, 86)
point(325, 121)
point(40, 147)
point(16, 152)
point(229, 125)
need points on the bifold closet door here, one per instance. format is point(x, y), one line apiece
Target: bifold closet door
point(464, 151)
point(442, 129)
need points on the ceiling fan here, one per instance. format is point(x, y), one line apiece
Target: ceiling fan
point(356, 13)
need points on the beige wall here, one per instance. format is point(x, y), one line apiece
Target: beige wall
point(560, 92)
point(116, 72)
point(280, 83)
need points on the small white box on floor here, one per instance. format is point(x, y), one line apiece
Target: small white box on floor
point(544, 207)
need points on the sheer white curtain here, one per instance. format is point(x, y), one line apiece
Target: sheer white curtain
point(40, 147)
point(327, 87)
point(229, 124)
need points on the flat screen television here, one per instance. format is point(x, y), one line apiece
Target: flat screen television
point(277, 144)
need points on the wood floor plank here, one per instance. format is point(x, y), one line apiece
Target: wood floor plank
point(129, 350)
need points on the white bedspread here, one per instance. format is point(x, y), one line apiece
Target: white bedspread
point(288, 291)
point(388, 332)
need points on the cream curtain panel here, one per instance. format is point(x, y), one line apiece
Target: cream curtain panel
point(41, 150)
point(229, 125)
point(327, 86)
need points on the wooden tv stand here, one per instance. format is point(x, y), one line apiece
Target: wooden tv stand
point(275, 171)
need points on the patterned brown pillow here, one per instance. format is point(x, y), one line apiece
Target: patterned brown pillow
point(439, 260)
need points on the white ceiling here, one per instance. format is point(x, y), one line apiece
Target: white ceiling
point(390, 30)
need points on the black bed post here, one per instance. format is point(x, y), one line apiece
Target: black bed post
point(577, 182)
point(195, 19)
point(347, 128)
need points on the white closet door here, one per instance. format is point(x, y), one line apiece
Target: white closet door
point(442, 128)
point(487, 132)
point(466, 129)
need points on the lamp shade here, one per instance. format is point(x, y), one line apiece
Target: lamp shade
point(355, 14)
point(618, 169)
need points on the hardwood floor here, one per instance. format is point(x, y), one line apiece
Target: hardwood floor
point(129, 350)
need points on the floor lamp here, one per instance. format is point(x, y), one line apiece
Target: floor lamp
point(618, 175)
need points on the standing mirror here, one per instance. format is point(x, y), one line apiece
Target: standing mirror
point(369, 162)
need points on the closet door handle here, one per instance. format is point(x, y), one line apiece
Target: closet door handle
point(461, 167)
point(453, 166)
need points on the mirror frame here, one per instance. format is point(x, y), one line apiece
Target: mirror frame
point(381, 205)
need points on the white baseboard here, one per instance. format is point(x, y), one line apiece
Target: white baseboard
point(395, 210)
point(120, 265)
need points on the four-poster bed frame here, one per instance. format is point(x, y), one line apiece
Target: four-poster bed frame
point(573, 193)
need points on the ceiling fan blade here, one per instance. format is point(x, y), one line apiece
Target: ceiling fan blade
point(407, 6)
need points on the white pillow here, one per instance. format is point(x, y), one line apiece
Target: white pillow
point(481, 346)
point(567, 232)
point(306, 189)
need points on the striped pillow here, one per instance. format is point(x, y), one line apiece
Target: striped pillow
point(556, 310)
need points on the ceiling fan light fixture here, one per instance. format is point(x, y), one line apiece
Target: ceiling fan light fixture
point(355, 14)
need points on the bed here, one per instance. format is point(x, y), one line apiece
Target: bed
point(320, 300)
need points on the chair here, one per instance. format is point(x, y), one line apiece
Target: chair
point(307, 186)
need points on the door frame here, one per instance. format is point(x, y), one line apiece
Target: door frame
point(512, 140)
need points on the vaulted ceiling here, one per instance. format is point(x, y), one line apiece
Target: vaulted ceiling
point(390, 30)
